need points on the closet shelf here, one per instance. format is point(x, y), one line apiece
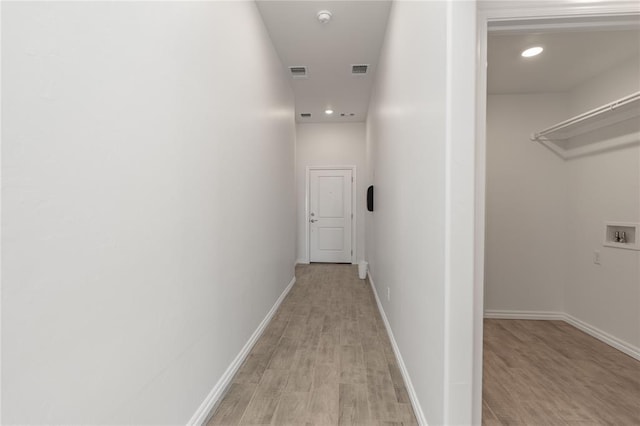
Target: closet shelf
point(556, 136)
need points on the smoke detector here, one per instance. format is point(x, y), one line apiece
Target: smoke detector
point(324, 16)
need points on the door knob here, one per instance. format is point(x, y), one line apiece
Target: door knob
point(312, 220)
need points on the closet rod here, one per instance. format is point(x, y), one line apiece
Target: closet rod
point(587, 115)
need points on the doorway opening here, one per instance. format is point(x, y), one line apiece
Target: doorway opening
point(330, 212)
point(541, 246)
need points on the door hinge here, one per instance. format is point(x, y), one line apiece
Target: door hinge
point(351, 252)
point(351, 215)
point(351, 178)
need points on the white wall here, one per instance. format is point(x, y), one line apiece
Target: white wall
point(526, 225)
point(618, 81)
point(604, 187)
point(330, 144)
point(139, 149)
point(418, 106)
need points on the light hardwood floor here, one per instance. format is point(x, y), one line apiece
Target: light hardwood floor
point(550, 373)
point(324, 359)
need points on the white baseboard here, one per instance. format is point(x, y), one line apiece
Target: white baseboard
point(219, 389)
point(603, 336)
point(524, 315)
point(417, 409)
point(302, 262)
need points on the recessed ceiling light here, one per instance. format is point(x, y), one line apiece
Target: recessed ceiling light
point(532, 51)
point(328, 111)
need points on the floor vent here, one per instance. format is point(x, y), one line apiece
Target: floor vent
point(298, 72)
point(359, 69)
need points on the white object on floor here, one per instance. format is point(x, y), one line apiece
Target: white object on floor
point(362, 269)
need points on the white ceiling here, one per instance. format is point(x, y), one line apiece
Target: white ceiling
point(569, 59)
point(353, 36)
point(356, 32)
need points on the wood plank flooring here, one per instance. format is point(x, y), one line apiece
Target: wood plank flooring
point(550, 373)
point(324, 359)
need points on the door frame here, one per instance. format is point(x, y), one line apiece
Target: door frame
point(354, 211)
point(517, 16)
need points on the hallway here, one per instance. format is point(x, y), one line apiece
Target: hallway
point(324, 359)
point(155, 158)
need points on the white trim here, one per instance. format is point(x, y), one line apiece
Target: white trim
point(459, 244)
point(210, 403)
point(519, 10)
point(566, 25)
point(603, 336)
point(354, 211)
point(417, 409)
point(302, 262)
point(595, 332)
point(524, 315)
point(306, 217)
point(448, 216)
point(479, 226)
point(1, 186)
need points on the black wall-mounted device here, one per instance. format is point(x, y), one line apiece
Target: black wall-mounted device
point(370, 198)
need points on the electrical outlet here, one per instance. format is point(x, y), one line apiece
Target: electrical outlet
point(388, 294)
point(596, 257)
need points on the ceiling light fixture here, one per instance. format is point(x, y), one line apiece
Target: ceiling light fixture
point(324, 16)
point(532, 51)
point(328, 111)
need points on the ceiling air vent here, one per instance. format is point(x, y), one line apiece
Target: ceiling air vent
point(298, 72)
point(305, 114)
point(359, 69)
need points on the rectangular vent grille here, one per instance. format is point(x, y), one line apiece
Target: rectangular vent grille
point(298, 72)
point(305, 114)
point(359, 69)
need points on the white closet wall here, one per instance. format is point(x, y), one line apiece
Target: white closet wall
point(526, 208)
point(545, 216)
point(611, 85)
point(604, 187)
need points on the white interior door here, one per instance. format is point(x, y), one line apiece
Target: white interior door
point(330, 216)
